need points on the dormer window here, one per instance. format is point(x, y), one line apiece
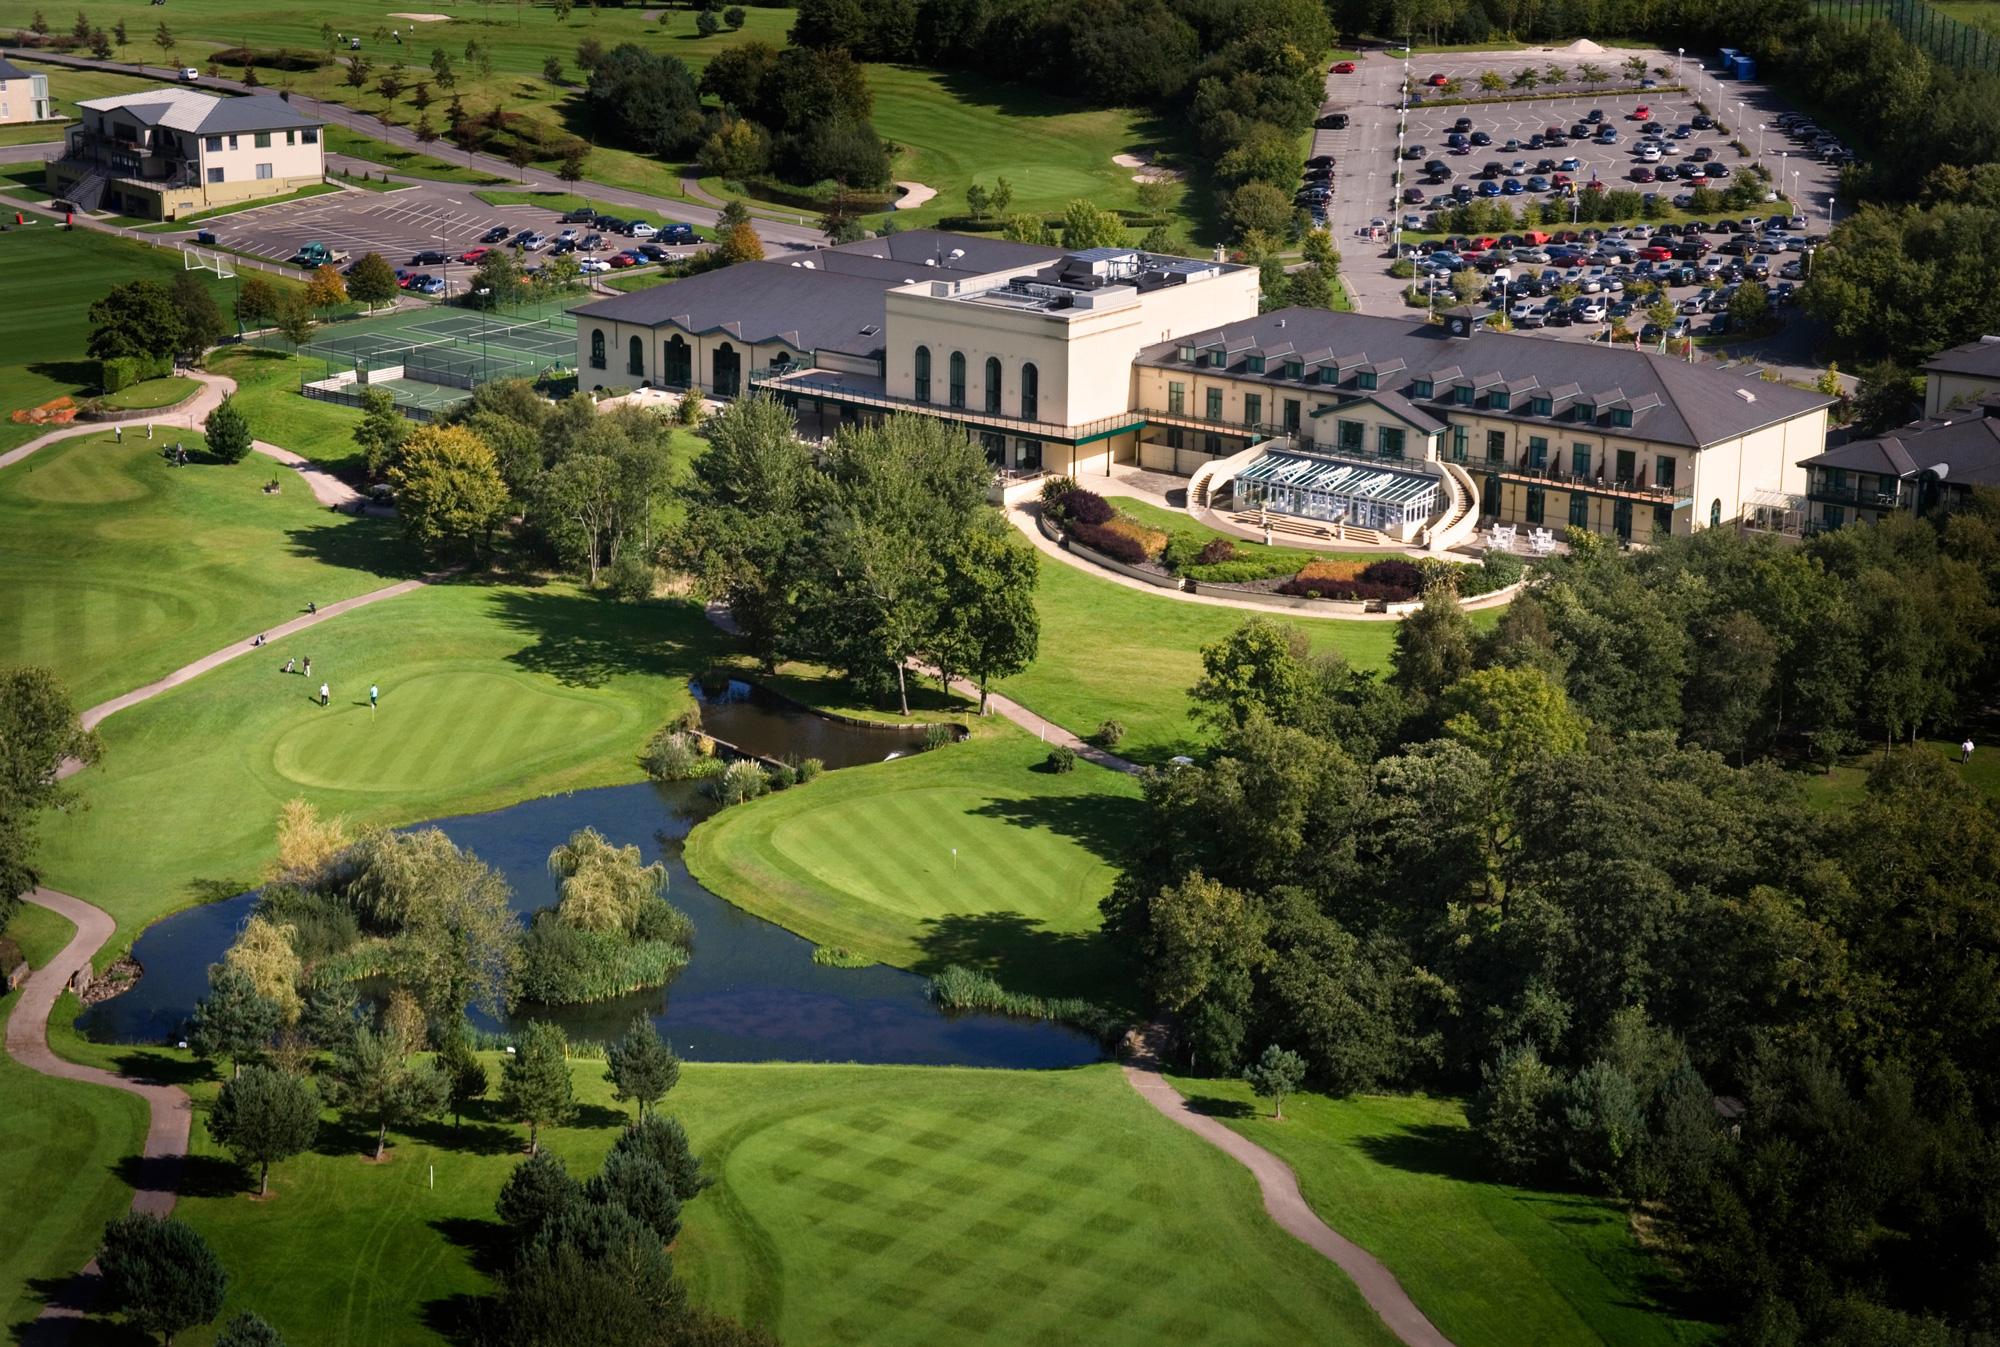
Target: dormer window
point(1187, 355)
point(1541, 406)
point(1621, 416)
point(1329, 374)
point(1295, 369)
point(1367, 380)
point(1462, 395)
point(1256, 364)
point(1586, 411)
point(1421, 388)
point(1499, 399)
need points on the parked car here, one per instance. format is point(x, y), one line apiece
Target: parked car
point(1641, 113)
point(581, 215)
point(428, 285)
point(642, 230)
point(428, 258)
point(497, 234)
point(624, 260)
point(1481, 138)
point(471, 256)
point(1332, 121)
point(189, 74)
point(1437, 81)
point(1341, 68)
point(591, 265)
point(591, 242)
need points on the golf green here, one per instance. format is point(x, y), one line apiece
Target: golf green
point(852, 1205)
point(491, 693)
point(969, 854)
point(117, 568)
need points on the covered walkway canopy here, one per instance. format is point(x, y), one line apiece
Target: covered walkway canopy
point(1313, 487)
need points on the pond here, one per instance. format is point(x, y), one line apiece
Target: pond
point(751, 991)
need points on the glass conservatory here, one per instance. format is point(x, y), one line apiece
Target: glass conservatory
point(1326, 489)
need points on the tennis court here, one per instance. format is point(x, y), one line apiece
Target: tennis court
point(458, 348)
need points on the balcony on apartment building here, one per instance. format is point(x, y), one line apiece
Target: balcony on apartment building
point(1635, 487)
point(1841, 490)
point(118, 157)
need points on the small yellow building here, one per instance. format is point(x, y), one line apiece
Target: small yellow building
point(1957, 379)
point(166, 153)
point(23, 97)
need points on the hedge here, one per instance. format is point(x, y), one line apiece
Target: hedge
point(120, 372)
point(816, 197)
point(1117, 546)
point(285, 58)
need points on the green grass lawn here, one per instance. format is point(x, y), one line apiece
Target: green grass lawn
point(491, 693)
point(1112, 652)
point(1492, 1265)
point(40, 933)
point(116, 568)
point(267, 392)
point(411, 163)
point(1179, 521)
point(60, 1147)
point(49, 278)
point(852, 1205)
point(152, 394)
point(969, 854)
point(1848, 783)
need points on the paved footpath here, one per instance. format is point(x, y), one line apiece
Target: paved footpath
point(166, 1135)
point(1282, 1199)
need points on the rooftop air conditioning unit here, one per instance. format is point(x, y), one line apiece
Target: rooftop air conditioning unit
point(1746, 395)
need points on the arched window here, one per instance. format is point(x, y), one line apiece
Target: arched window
point(1715, 513)
point(957, 386)
point(923, 374)
point(597, 348)
point(1031, 393)
point(677, 363)
point(993, 384)
point(728, 365)
point(635, 357)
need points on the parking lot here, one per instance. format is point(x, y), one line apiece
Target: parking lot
point(439, 217)
point(1368, 150)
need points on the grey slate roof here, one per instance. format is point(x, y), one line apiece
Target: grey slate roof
point(1672, 402)
point(834, 304)
point(204, 114)
point(10, 71)
point(1978, 358)
point(1967, 449)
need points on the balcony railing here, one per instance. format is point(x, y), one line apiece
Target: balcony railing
point(806, 381)
point(1588, 482)
point(1854, 495)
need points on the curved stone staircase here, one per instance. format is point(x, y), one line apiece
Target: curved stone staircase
point(1461, 517)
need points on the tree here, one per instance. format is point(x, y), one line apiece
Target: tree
point(1592, 74)
point(454, 939)
point(1527, 78)
point(1511, 1112)
point(736, 149)
point(381, 431)
point(466, 1078)
point(977, 201)
point(990, 627)
point(163, 38)
point(552, 69)
point(1883, 397)
point(118, 33)
point(1028, 229)
point(734, 17)
point(643, 100)
point(160, 1274)
point(256, 302)
point(233, 1020)
point(425, 133)
point(202, 321)
point(264, 1115)
point(842, 221)
point(1511, 717)
point(1635, 66)
point(1749, 308)
point(138, 318)
point(535, 1085)
point(1255, 207)
point(603, 887)
point(295, 319)
point(571, 166)
point(372, 280)
point(373, 1084)
point(420, 95)
point(1261, 666)
point(1726, 696)
point(441, 68)
point(1434, 646)
point(1492, 81)
point(247, 1330)
point(740, 244)
point(449, 491)
point(264, 952)
point(390, 86)
point(100, 44)
point(358, 68)
point(1086, 226)
point(228, 432)
point(578, 501)
point(38, 733)
point(1277, 1073)
point(326, 287)
point(640, 1067)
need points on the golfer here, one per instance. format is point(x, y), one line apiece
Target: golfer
point(324, 693)
point(374, 695)
point(308, 670)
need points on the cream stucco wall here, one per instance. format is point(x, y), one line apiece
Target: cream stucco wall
point(1082, 356)
point(25, 100)
point(702, 351)
point(1943, 391)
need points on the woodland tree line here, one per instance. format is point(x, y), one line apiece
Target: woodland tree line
point(1568, 867)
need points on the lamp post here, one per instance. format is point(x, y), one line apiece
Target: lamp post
point(483, 294)
point(1829, 212)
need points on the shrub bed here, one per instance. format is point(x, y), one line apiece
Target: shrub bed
point(563, 964)
point(960, 988)
point(1117, 546)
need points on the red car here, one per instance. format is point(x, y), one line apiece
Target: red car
point(1341, 68)
point(624, 260)
point(1640, 114)
point(1437, 81)
point(472, 255)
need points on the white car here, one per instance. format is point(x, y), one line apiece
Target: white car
point(590, 265)
point(1592, 312)
point(642, 230)
point(1649, 153)
point(189, 74)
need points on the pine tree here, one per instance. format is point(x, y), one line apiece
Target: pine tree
point(640, 1067)
point(535, 1086)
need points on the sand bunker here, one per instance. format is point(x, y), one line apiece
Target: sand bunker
point(1143, 161)
point(424, 18)
point(914, 195)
